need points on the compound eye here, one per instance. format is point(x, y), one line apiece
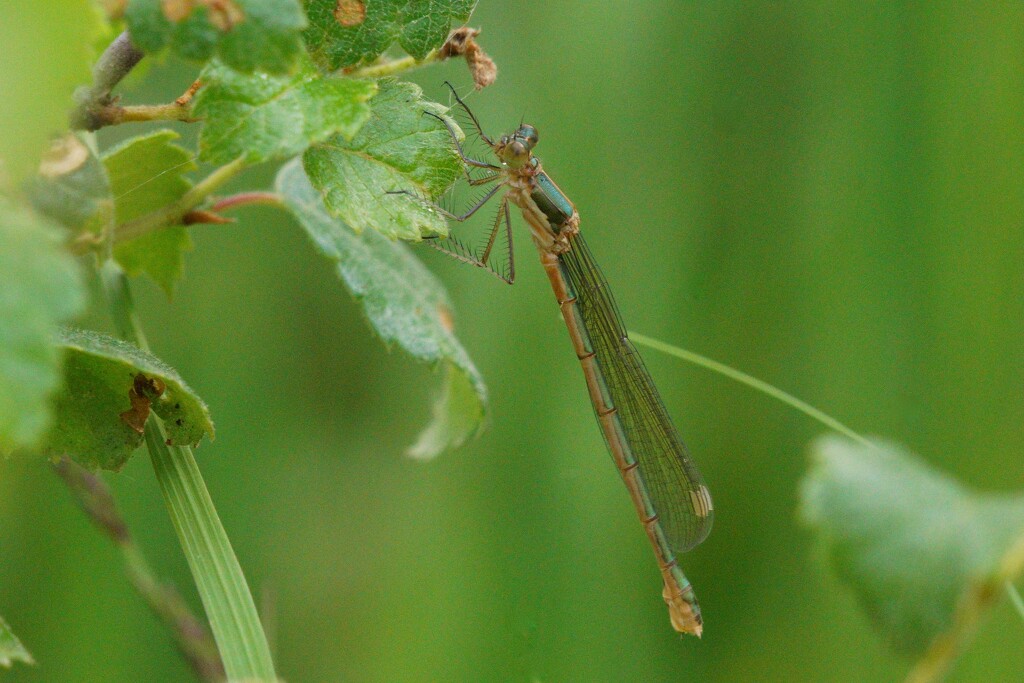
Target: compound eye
point(529, 134)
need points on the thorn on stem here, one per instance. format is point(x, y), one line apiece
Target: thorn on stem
point(203, 216)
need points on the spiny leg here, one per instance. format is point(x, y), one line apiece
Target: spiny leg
point(458, 145)
point(483, 180)
point(508, 240)
point(479, 129)
point(448, 214)
point(461, 252)
point(511, 262)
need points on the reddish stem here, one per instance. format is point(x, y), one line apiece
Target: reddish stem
point(247, 199)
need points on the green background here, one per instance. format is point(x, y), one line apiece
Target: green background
point(825, 195)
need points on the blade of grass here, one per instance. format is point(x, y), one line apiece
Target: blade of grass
point(1015, 598)
point(218, 575)
point(750, 381)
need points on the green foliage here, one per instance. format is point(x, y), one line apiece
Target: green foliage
point(40, 287)
point(353, 32)
point(399, 148)
point(266, 117)
point(91, 425)
point(72, 186)
point(147, 173)
point(917, 548)
point(47, 46)
point(247, 35)
point(404, 303)
point(11, 649)
point(458, 412)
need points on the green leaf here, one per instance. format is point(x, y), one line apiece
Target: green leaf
point(923, 554)
point(160, 254)
point(72, 186)
point(97, 421)
point(11, 649)
point(266, 117)
point(405, 304)
point(247, 35)
point(458, 415)
point(47, 50)
point(351, 32)
point(399, 148)
point(147, 173)
point(40, 287)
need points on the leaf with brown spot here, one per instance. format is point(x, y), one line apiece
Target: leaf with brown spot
point(247, 35)
point(224, 14)
point(335, 39)
point(144, 390)
point(137, 415)
point(103, 377)
point(176, 10)
point(65, 155)
point(72, 186)
point(350, 12)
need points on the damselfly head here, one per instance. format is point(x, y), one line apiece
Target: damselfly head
point(515, 149)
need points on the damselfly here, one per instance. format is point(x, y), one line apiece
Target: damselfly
point(667, 489)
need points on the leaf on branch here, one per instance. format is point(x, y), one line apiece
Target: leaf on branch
point(72, 187)
point(924, 555)
point(404, 303)
point(351, 32)
point(11, 649)
point(399, 149)
point(40, 287)
point(458, 413)
point(148, 173)
point(265, 117)
point(247, 35)
point(109, 389)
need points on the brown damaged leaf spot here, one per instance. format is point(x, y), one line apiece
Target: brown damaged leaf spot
point(177, 10)
point(141, 396)
point(114, 8)
point(350, 12)
point(444, 316)
point(65, 155)
point(223, 14)
point(462, 43)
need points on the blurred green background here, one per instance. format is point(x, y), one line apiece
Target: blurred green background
point(826, 195)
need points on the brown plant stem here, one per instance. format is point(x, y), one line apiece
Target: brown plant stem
point(190, 634)
point(116, 62)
